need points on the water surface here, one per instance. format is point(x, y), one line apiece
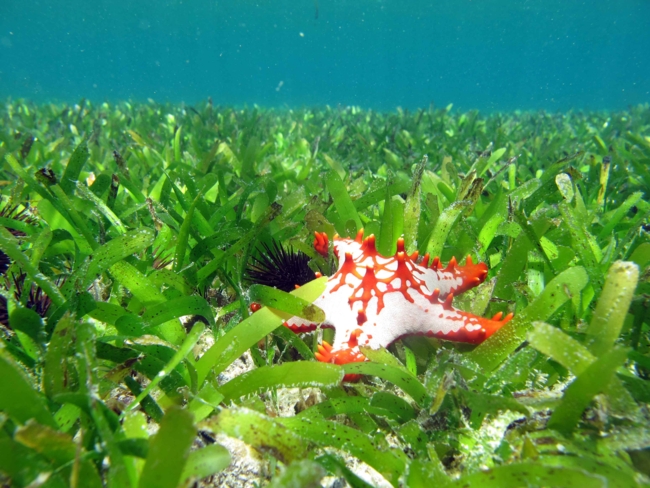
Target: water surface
point(380, 54)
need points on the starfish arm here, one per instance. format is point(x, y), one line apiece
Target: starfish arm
point(471, 275)
point(321, 243)
point(452, 325)
point(472, 329)
point(453, 278)
point(400, 318)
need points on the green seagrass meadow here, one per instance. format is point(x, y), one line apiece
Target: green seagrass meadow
point(127, 230)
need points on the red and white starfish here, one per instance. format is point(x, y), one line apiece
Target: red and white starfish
point(373, 300)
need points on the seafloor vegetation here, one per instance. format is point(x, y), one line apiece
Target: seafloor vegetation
point(127, 231)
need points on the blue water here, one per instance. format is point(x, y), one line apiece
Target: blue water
point(379, 54)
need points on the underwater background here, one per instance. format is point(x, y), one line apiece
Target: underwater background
point(491, 55)
point(165, 167)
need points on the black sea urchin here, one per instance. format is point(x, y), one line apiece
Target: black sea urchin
point(280, 268)
point(13, 212)
point(37, 300)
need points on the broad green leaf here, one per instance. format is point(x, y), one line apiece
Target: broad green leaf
point(135, 426)
point(351, 406)
point(107, 313)
point(105, 420)
point(37, 187)
point(236, 341)
point(499, 346)
point(57, 369)
point(481, 404)
point(147, 292)
point(560, 347)
point(390, 463)
point(294, 339)
point(149, 405)
point(565, 185)
point(79, 304)
point(398, 218)
point(66, 416)
point(288, 375)
point(134, 447)
point(285, 302)
point(240, 338)
point(620, 475)
point(335, 166)
point(383, 356)
point(527, 189)
point(184, 235)
point(249, 158)
point(583, 242)
point(446, 190)
point(613, 306)
point(114, 353)
point(57, 221)
point(132, 187)
point(153, 364)
point(28, 322)
point(260, 204)
point(641, 255)
point(342, 201)
point(494, 157)
point(74, 217)
point(423, 473)
point(182, 353)
point(593, 380)
point(57, 446)
point(376, 196)
point(412, 208)
point(9, 245)
point(619, 214)
point(19, 225)
point(397, 406)
point(512, 267)
point(444, 225)
point(177, 144)
point(60, 450)
point(130, 325)
point(116, 250)
point(178, 307)
point(169, 450)
point(25, 466)
point(337, 466)
point(489, 230)
point(207, 400)
point(99, 204)
point(99, 186)
point(73, 168)
point(20, 398)
point(205, 462)
point(259, 431)
point(404, 380)
point(546, 190)
point(299, 474)
point(386, 244)
point(272, 212)
point(40, 245)
point(530, 474)
point(218, 240)
point(136, 282)
point(627, 438)
point(166, 278)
